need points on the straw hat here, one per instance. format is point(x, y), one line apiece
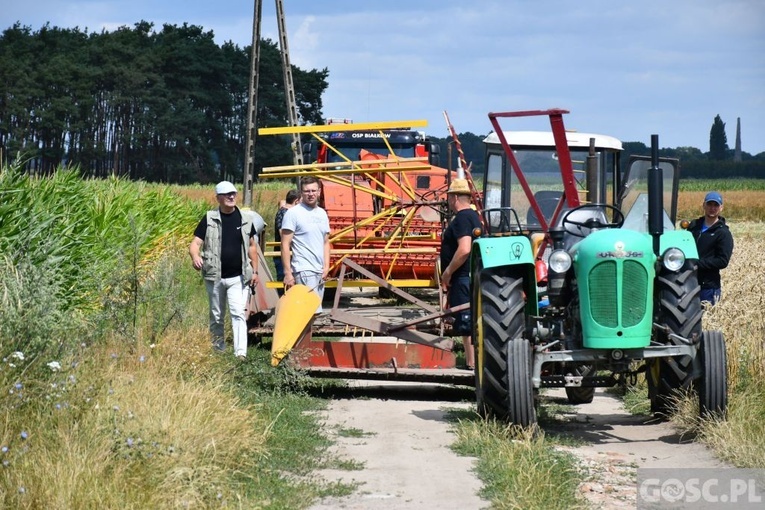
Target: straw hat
point(459, 187)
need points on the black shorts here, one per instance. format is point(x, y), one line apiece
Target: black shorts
point(459, 294)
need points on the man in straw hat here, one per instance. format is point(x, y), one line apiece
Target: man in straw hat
point(456, 244)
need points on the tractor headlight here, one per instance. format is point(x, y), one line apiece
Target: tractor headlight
point(673, 259)
point(560, 261)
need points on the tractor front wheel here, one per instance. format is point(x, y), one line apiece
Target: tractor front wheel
point(520, 397)
point(713, 384)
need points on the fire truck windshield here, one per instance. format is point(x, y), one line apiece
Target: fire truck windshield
point(351, 151)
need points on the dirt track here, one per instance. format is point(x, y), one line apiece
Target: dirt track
point(403, 440)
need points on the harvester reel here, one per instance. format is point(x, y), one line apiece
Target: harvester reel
point(593, 222)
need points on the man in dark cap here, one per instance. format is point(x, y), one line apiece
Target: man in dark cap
point(715, 245)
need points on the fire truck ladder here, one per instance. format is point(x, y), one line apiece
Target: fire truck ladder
point(252, 107)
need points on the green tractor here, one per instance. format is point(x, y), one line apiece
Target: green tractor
point(580, 279)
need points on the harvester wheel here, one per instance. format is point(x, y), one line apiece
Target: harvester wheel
point(680, 310)
point(713, 384)
point(498, 304)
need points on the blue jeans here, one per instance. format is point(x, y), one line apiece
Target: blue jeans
point(711, 295)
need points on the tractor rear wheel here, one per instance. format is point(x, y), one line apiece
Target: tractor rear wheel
point(499, 307)
point(680, 310)
point(713, 384)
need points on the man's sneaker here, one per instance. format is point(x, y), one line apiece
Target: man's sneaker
point(219, 346)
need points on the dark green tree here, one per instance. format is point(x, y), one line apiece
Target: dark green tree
point(718, 141)
point(160, 106)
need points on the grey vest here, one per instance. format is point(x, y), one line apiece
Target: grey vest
point(212, 245)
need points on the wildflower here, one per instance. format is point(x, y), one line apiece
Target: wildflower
point(22, 490)
point(6, 463)
point(72, 379)
point(142, 359)
point(151, 346)
point(116, 408)
point(55, 366)
point(129, 441)
point(24, 434)
point(18, 386)
point(114, 355)
point(4, 449)
point(18, 355)
point(58, 406)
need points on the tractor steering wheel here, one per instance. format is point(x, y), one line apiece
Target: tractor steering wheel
point(591, 222)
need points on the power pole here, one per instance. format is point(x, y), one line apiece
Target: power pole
point(289, 87)
point(252, 107)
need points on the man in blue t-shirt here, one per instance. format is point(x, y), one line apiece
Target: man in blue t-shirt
point(456, 244)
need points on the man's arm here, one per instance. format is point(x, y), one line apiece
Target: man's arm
point(289, 279)
point(325, 270)
point(253, 252)
point(194, 251)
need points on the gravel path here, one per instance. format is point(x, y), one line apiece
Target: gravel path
point(399, 433)
point(403, 443)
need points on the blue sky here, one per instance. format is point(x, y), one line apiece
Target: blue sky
point(624, 68)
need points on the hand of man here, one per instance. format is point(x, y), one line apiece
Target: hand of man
point(446, 279)
point(289, 281)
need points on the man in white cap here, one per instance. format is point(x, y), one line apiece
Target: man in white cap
point(715, 245)
point(225, 249)
point(456, 244)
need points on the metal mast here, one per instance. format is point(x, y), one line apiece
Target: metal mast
point(289, 87)
point(252, 107)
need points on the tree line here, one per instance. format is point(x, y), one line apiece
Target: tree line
point(167, 105)
point(170, 105)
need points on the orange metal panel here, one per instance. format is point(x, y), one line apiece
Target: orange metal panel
point(364, 354)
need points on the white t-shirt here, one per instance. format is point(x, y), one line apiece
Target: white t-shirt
point(309, 227)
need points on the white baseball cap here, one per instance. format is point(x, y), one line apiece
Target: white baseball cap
point(224, 187)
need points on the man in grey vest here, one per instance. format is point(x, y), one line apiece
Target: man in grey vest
point(225, 249)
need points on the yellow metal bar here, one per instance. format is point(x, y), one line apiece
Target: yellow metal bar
point(360, 166)
point(343, 171)
point(330, 128)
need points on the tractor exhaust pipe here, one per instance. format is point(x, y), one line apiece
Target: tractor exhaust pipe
point(655, 197)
